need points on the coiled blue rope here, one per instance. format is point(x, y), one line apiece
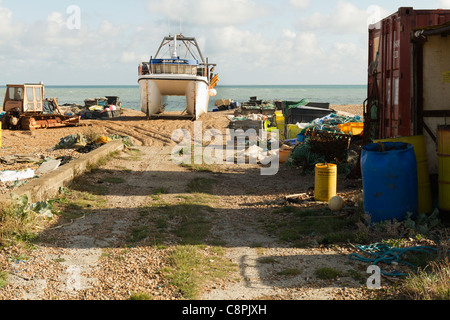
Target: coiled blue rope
point(383, 253)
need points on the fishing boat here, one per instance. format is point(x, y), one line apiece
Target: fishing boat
point(167, 74)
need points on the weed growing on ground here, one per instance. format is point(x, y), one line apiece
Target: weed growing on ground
point(131, 154)
point(327, 273)
point(18, 220)
point(321, 223)
point(429, 283)
point(3, 279)
point(201, 185)
point(140, 296)
point(291, 272)
point(193, 266)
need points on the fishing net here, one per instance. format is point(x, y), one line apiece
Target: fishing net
point(303, 157)
point(295, 104)
point(334, 147)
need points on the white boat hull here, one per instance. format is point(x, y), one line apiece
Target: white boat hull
point(153, 89)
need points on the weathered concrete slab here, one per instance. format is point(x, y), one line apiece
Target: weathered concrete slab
point(48, 166)
point(46, 187)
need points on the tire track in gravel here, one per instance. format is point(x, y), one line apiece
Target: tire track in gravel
point(120, 131)
point(155, 135)
point(145, 137)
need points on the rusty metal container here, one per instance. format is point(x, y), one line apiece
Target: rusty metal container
point(389, 109)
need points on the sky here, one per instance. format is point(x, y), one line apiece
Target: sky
point(253, 42)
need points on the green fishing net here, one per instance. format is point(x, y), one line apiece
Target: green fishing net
point(302, 156)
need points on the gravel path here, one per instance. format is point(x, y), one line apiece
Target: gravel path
point(87, 259)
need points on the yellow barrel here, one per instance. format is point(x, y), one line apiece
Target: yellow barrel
point(423, 175)
point(444, 167)
point(280, 124)
point(326, 181)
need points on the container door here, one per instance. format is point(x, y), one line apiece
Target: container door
point(385, 55)
point(434, 93)
point(391, 79)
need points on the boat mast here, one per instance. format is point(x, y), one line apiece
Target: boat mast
point(174, 53)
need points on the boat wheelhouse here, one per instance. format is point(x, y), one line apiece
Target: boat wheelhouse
point(165, 76)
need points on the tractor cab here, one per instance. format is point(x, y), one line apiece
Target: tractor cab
point(24, 98)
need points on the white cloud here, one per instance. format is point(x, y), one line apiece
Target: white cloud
point(262, 59)
point(300, 3)
point(344, 18)
point(208, 12)
point(133, 57)
point(54, 50)
point(444, 4)
point(57, 18)
point(111, 30)
point(241, 42)
point(289, 33)
point(245, 39)
point(345, 54)
point(7, 30)
point(376, 13)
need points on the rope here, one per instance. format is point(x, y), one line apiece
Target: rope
point(63, 225)
point(386, 254)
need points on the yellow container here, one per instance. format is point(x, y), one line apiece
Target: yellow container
point(281, 129)
point(279, 118)
point(423, 176)
point(325, 182)
point(293, 131)
point(444, 168)
point(284, 155)
point(0, 134)
point(279, 122)
point(353, 128)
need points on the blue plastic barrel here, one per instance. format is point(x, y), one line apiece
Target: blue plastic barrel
point(389, 173)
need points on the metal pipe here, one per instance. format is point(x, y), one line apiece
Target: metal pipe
point(426, 33)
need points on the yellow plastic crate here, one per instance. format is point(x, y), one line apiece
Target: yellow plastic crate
point(353, 128)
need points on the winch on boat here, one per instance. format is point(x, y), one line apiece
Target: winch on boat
point(26, 108)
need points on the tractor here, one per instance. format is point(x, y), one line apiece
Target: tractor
point(26, 108)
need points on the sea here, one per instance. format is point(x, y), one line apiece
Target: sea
point(130, 98)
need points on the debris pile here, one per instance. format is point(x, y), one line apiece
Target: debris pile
point(95, 108)
point(226, 104)
point(323, 141)
point(84, 144)
point(22, 168)
point(326, 138)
